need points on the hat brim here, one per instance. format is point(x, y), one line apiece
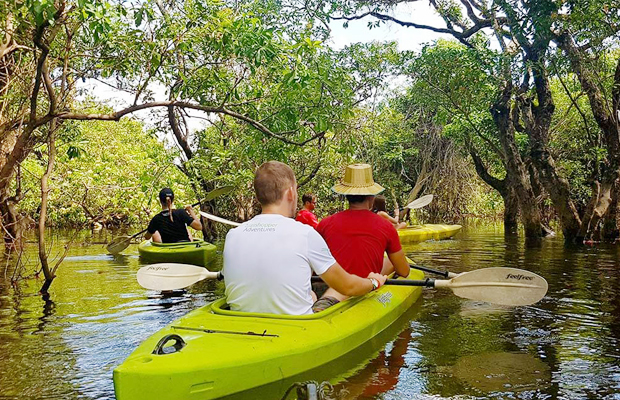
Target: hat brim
point(371, 190)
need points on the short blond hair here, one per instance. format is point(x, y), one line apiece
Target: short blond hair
point(271, 180)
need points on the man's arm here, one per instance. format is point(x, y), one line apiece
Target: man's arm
point(399, 261)
point(350, 285)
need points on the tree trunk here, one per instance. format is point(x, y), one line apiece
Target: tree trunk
point(8, 214)
point(9, 223)
point(504, 188)
point(610, 231)
point(606, 114)
point(511, 212)
point(537, 117)
point(516, 168)
point(48, 272)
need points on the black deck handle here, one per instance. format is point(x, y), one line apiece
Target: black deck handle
point(179, 343)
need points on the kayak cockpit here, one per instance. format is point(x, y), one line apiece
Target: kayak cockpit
point(220, 307)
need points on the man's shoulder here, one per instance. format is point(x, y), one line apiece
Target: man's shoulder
point(380, 219)
point(300, 226)
point(376, 221)
point(334, 217)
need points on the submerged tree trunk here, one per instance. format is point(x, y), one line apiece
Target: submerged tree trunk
point(504, 188)
point(609, 230)
point(537, 117)
point(516, 168)
point(606, 114)
point(48, 273)
point(9, 218)
point(511, 212)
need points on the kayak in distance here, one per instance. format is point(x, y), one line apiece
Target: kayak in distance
point(421, 233)
point(214, 352)
point(197, 252)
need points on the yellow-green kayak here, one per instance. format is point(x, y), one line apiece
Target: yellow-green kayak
point(197, 252)
point(420, 233)
point(213, 352)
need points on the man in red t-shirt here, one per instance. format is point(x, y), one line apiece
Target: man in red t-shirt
point(357, 237)
point(305, 215)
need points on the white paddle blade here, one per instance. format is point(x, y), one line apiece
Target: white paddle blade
point(421, 202)
point(170, 276)
point(498, 285)
point(218, 219)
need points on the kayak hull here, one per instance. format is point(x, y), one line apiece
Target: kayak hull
point(229, 352)
point(198, 252)
point(421, 233)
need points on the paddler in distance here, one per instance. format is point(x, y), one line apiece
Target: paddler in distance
point(268, 260)
point(357, 237)
point(305, 215)
point(170, 226)
point(379, 208)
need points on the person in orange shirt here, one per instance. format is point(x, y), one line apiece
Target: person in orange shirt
point(305, 215)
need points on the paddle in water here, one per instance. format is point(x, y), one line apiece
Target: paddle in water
point(498, 285)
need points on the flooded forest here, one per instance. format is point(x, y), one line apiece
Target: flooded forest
point(493, 126)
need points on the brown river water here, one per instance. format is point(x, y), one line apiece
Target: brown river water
point(565, 347)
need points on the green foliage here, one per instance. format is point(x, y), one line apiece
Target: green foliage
point(106, 172)
point(455, 86)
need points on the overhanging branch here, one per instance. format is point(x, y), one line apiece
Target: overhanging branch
point(116, 116)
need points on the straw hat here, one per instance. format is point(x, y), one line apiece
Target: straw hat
point(358, 180)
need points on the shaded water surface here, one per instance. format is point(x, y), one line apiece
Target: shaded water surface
point(566, 347)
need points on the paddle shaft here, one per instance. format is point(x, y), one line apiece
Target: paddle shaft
point(396, 282)
point(425, 282)
point(445, 274)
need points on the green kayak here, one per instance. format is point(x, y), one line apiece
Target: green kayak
point(214, 352)
point(420, 233)
point(197, 252)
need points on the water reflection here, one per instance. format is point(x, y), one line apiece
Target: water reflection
point(567, 346)
point(501, 371)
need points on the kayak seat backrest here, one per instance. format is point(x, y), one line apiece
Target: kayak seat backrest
point(222, 308)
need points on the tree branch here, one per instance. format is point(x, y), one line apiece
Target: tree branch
point(116, 116)
point(460, 36)
point(176, 130)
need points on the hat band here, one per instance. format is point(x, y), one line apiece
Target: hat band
point(358, 186)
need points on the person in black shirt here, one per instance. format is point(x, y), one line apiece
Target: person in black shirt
point(170, 226)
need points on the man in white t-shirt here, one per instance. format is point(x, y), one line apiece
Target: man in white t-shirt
point(268, 260)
